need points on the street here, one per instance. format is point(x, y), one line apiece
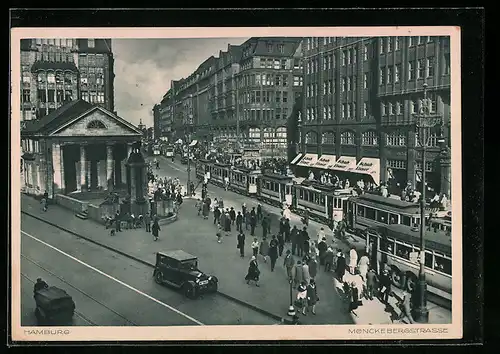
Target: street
point(121, 293)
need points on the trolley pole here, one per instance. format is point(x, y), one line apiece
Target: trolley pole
point(425, 121)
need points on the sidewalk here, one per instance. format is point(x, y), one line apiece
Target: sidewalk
point(197, 236)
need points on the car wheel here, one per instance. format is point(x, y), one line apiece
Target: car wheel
point(213, 285)
point(159, 278)
point(189, 290)
point(411, 282)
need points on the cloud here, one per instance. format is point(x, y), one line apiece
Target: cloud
point(144, 69)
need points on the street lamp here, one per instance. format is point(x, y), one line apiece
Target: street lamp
point(291, 308)
point(188, 138)
point(425, 120)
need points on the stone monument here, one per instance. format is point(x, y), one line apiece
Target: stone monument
point(137, 181)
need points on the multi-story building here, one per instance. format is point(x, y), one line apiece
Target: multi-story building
point(55, 71)
point(361, 96)
point(246, 94)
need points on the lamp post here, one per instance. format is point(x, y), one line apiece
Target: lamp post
point(188, 139)
point(425, 120)
point(291, 308)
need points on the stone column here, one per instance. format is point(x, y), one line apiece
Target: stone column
point(83, 169)
point(110, 167)
point(58, 167)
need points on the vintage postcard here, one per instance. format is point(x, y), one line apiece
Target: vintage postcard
point(236, 183)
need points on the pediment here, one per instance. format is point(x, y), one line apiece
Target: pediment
point(97, 122)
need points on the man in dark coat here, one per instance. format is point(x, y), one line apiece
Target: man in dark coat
point(341, 264)
point(294, 238)
point(155, 229)
point(322, 247)
point(304, 242)
point(385, 286)
point(227, 223)
point(287, 230)
point(253, 223)
point(329, 259)
point(118, 221)
point(259, 212)
point(371, 283)
point(241, 243)
point(253, 212)
point(232, 215)
point(281, 243)
point(273, 252)
point(265, 227)
point(282, 226)
point(239, 222)
point(216, 215)
point(246, 217)
point(147, 222)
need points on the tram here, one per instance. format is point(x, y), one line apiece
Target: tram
point(243, 180)
point(275, 189)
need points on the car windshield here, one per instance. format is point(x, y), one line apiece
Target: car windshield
point(190, 265)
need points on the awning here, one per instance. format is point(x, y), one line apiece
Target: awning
point(193, 143)
point(369, 166)
point(345, 163)
point(296, 159)
point(325, 162)
point(308, 160)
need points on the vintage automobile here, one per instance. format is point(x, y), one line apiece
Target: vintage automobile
point(54, 306)
point(180, 270)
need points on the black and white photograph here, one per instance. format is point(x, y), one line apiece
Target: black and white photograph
point(211, 179)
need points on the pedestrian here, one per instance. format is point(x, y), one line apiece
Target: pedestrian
point(298, 274)
point(239, 222)
point(244, 209)
point(241, 243)
point(305, 272)
point(269, 223)
point(371, 283)
point(282, 226)
point(304, 242)
point(155, 229)
point(294, 238)
point(147, 222)
point(264, 248)
point(253, 212)
point(255, 247)
point(341, 265)
point(353, 260)
point(199, 206)
point(253, 273)
point(363, 264)
point(253, 223)
point(322, 247)
point(281, 244)
point(217, 215)
point(312, 297)
point(328, 259)
point(288, 263)
point(265, 227)
point(222, 218)
point(118, 221)
point(205, 210)
point(321, 235)
point(385, 287)
point(354, 298)
point(287, 230)
point(301, 301)
point(246, 218)
point(219, 233)
point(313, 267)
point(273, 252)
point(44, 204)
point(227, 224)
point(232, 215)
point(259, 212)
point(405, 307)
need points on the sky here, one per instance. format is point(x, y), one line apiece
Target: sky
point(145, 67)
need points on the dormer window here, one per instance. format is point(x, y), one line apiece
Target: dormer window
point(96, 124)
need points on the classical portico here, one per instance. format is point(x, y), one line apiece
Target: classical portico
point(79, 148)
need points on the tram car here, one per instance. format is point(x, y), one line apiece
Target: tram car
point(203, 168)
point(275, 189)
point(219, 172)
point(324, 202)
point(243, 180)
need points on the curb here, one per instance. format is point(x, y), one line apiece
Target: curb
point(229, 297)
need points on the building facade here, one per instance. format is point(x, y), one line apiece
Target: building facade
point(360, 99)
point(79, 147)
point(56, 71)
point(243, 97)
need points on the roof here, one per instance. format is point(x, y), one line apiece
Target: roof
point(178, 255)
point(60, 116)
point(438, 241)
point(49, 65)
point(400, 204)
point(276, 176)
point(51, 294)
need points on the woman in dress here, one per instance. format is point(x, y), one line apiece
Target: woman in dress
point(253, 272)
point(312, 297)
point(302, 297)
point(363, 264)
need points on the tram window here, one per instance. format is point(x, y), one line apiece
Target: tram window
point(415, 221)
point(276, 187)
point(442, 264)
point(361, 210)
point(387, 245)
point(382, 216)
point(370, 213)
point(403, 251)
point(316, 198)
point(428, 259)
point(322, 200)
point(301, 194)
point(393, 218)
point(406, 220)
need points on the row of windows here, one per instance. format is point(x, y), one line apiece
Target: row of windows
point(278, 64)
point(348, 112)
point(50, 77)
point(265, 114)
point(396, 107)
point(93, 96)
point(347, 138)
point(49, 96)
point(58, 42)
point(91, 60)
point(265, 96)
point(312, 197)
point(63, 57)
point(30, 145)
point(390, 44)
point(262, 79)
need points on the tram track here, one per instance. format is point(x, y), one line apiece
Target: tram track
point(227, 297)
